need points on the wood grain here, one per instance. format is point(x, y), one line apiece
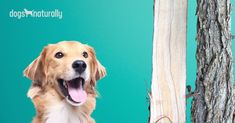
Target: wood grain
point(169, 62)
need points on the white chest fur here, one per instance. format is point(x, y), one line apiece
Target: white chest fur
point(64, 113)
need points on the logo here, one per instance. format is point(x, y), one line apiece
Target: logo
point(25, 13)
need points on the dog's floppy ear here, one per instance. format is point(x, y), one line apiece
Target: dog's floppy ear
point(97, 69)
point(35, 71)
point(100, 70)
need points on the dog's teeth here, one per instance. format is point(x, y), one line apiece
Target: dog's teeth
point(64, 83)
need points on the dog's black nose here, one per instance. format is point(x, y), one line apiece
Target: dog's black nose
point(79, 66)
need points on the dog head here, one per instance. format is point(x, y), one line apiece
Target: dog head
point(69, 67)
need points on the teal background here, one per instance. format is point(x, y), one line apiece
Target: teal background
point(121, 33)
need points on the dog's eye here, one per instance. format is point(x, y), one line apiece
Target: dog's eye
point(85, 54)
point(59, 55)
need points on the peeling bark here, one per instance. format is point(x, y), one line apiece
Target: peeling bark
point(214, 83)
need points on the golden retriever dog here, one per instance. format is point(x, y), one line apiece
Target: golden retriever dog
point(64, 78)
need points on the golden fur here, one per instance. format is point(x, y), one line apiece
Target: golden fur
point(44, 71)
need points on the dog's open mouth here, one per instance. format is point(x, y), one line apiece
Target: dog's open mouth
point(73, 90)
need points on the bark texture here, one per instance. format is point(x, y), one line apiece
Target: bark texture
point(214, 83)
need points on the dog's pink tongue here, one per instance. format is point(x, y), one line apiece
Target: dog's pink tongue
point(77, 94)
